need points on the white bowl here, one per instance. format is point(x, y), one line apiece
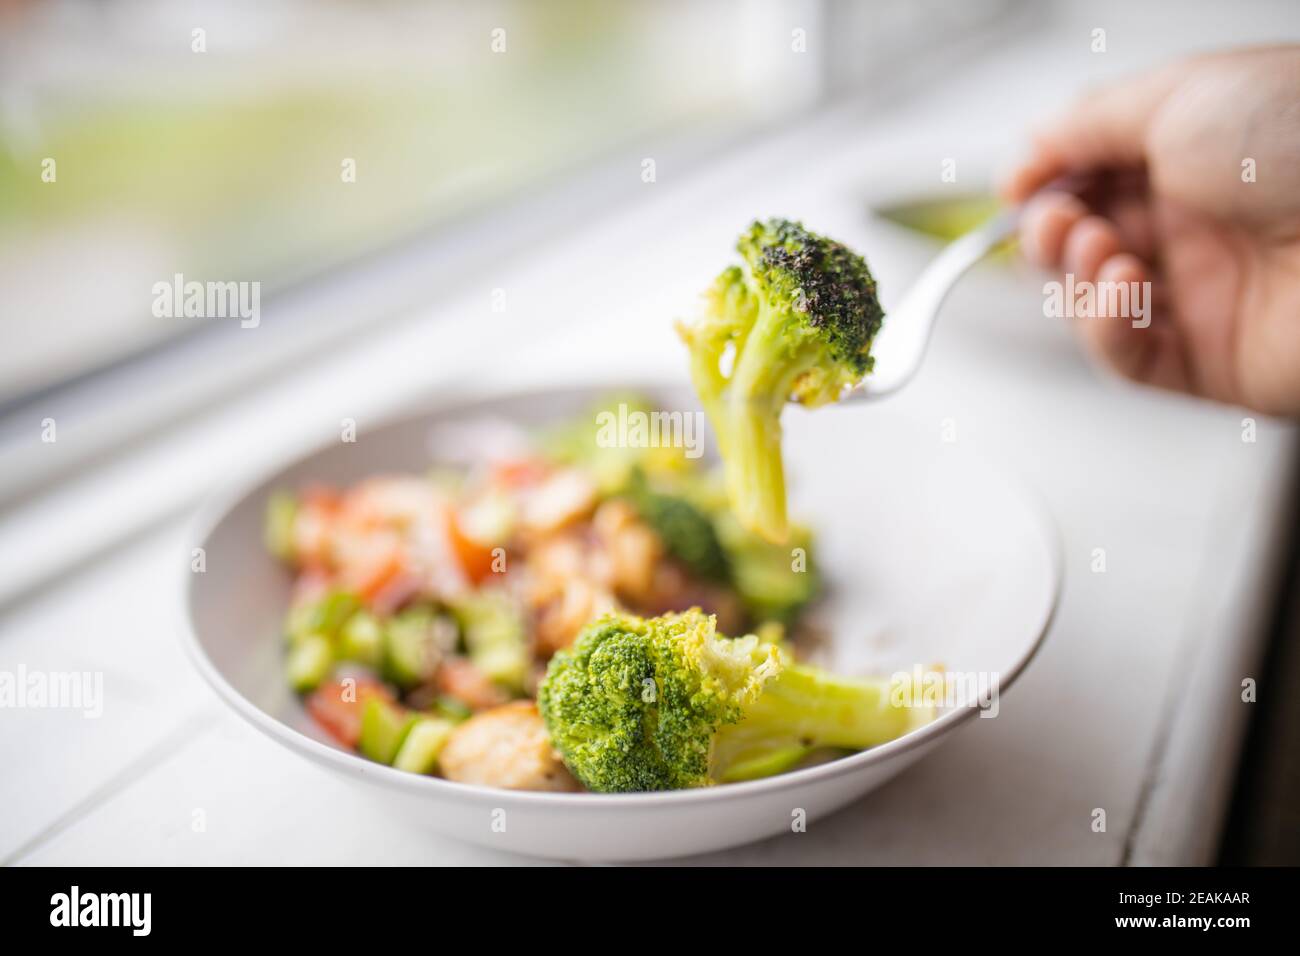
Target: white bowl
point(931, 557)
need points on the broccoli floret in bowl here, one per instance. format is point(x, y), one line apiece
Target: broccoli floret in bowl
point(665, 703)
point(687, 531)
point(774, 582)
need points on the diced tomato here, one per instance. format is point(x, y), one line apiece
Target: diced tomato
point(337, 706)
point(310, 585)
point(394, 594)
point(458, 678)
point(518, 472)
point(475, 557)
point(370, 573)
point(322, 497)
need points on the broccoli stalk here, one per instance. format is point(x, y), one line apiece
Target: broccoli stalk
point(797, 322)
point(667, 702)
point(801, 709)
point(762, 381)
point(764, 574)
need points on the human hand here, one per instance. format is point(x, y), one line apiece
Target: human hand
point(1171, 202)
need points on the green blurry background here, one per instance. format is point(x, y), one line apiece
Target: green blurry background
point(227, 164)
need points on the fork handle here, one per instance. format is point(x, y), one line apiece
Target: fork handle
point(900, 346)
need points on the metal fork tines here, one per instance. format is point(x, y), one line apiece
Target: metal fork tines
point(901, 343)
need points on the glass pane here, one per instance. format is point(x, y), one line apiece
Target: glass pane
point(266, 141)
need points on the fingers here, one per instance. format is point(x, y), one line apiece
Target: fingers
point(1104, 135)
point(1029, 175)
point(1059, 234)
point(1152, 353)
point(1133, 218)
point(1090, 242)
point(1045, 224)
point(1050, 216)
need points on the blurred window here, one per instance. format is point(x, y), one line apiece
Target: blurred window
point(271, 140)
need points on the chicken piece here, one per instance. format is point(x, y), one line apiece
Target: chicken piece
point(675, 590)
point(311, 585)
point(396, 502)
point(553, 561)
point(560, 500)
point(632, 549)
point(368, 562)
point(313, 534)
point(506, 746)
point(559, 621)
point(636, 551)
point(566, 587)
point(612, 516)
point(459, 678)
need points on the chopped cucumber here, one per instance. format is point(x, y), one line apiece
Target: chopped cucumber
point(502, 664)
point(495, 640)
point(424, 742)
point(299, 622)
point(361, 639)
point(281, 512)
point(310, 660)
point(383, 729)
point(452, 708)
point(414, 643)
point(322, 616)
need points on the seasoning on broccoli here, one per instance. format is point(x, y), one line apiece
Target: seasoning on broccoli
point(795, 322)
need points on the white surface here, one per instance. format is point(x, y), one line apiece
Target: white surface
point(1133, 706)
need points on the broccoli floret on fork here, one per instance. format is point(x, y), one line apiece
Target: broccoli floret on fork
point(793, 322)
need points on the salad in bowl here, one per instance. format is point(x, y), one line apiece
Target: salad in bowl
point(552, 617)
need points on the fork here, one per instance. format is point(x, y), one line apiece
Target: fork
point(901, 343)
